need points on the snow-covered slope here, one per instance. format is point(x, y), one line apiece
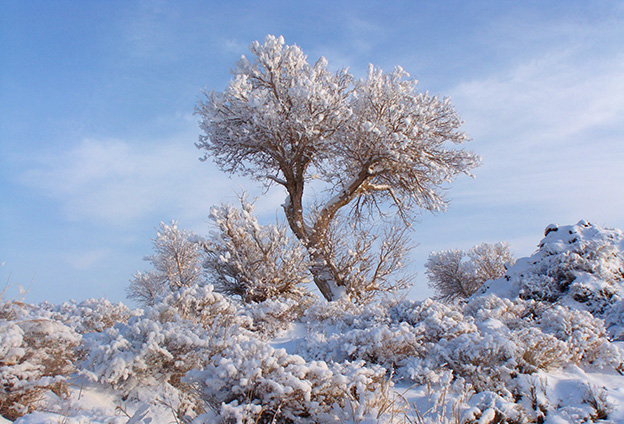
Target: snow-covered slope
point(580, 266)
point(541, 345)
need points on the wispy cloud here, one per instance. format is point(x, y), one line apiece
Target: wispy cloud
point(549, 98)
point(546, 131)
point(117, 181)
point(85, 259)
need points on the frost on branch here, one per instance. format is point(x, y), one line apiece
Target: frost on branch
point(370, 260)
point(176, 263)
point(455, 274)
point(375, 144)
point(251, 261)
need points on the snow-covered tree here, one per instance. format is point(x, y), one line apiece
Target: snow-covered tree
point(375, 143)
point(176, 263)
point(455, 274)
point(489, 261)
point(251, 261)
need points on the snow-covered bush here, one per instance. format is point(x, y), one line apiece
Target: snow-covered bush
point(251, 382)
point(251, 261)
point(343, 314)
point(584, 335)
point(11, 310)
point(198, 304)
point(539, 350)
point(455, 274)
point(387, 345)
point(145, 353)
point(176, 263)
point(402, 336)
point(275, 315)
point(179, 333)
point(36, 355)
point(488, 407)
point(435, 320)
point(486, 342)
point(90, 315)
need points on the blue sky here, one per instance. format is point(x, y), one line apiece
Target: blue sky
point(97, 129)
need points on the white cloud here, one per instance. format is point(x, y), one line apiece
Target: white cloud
point(236, 46)
point(549, 98)
point(549, 133)
point(117, 182)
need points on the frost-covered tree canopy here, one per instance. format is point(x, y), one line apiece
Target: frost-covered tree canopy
point(373, 142)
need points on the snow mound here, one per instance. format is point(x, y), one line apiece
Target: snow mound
point(581, 266)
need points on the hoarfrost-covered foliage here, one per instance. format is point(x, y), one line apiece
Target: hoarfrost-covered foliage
point(369, 259)
point(251, 261)
point(176, 263)
point(374, 144)
point(252, 382)
point(36, 355)
point(455, 274)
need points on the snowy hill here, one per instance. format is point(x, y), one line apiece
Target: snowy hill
point(543, 344)
point(580, 266)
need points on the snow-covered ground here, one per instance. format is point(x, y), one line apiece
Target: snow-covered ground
point(543, 344)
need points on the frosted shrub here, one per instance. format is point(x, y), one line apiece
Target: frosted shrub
point(488, 407)
point(145, 353)
point(455, 274)
point(183, 331)
point(91, 315)
point(251, 382)
point(486, 361)
point(36, 355)
point(251, 261)
point(275, 315)
point(179, 333)
point(511, 313)
point(539, 350)
point(413, 337)
point(584, 335)
point(436, 320)
point(381, 344)
point(344, 314)
point(199, 304)
point(176, 263)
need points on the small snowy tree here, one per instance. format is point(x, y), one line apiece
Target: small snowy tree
point(490, 261)
point(455, 274)
point(374, 142)
point(177, 263)
point(251, 261)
